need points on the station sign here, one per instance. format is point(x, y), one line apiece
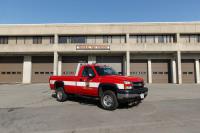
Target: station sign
point(92, 47)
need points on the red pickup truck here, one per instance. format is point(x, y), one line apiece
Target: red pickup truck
point(101, 82)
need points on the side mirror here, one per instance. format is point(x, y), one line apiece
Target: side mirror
point(90, 75)
point(120, 73)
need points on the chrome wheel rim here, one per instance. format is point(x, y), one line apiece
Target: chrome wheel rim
point(107, 100)
point(59, 95)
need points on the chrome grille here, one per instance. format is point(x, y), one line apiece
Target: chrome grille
point(137, 85)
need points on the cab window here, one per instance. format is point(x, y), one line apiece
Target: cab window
point(86, 71)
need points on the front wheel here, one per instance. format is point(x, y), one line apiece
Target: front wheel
point(61, 96)
point(109, 100)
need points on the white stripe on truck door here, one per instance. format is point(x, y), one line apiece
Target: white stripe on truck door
point(91, 84)
point(72, 83)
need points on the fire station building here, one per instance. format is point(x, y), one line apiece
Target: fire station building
point(157, 52)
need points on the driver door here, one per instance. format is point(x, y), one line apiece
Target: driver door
point(90, 86)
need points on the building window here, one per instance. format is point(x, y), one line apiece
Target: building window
point(168, 39)
point(37, 40)
point(20, 40)
point(93, 39)
point(141, 39)
point(152, 38)
point(190, 38)
point(51, 40)
point(72, 39)
point(3, 40)
point(63, 39)
point(187, 38)
point(161, 39)
point(198, 39)
point(78, 39)
point(122, 39)
point(107, 39)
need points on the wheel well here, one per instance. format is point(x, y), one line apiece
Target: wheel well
point(58, 84)
point(105, 87)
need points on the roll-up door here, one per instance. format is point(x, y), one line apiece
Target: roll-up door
point(69, 64)
point(161, 71)
point(139, 68)
point(188, 73)
point(11, 69)
point(42, 68)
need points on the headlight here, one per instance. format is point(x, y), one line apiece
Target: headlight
point(128, 87)
point(127, 82)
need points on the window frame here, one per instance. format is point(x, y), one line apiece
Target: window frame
point(37, 40)
point(3, 40)
point(87, 68)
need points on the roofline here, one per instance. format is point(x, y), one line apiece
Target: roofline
point(111, 23)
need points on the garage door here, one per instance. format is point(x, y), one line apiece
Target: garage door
point(11, 69)
point(69, 64)
point(116, 62)
point(139, 68)
point(161, 71)
point(188, 74)
point(42, 68)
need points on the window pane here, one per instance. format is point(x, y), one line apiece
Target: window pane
point(37, 40)
point(62, 39)
point(160, 39)
point(3, 40)
point(85, 72)
point(105, 39)
point(51, 40)
point(78, 39)
point(198, 38)
point(91, 39)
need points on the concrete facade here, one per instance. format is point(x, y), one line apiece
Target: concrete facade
point(170, 42)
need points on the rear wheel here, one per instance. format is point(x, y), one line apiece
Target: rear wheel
point(61, 96)
point(109, 100)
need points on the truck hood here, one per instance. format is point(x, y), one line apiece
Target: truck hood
point(124, 78)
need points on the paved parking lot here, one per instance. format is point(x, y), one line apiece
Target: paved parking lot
point(30, 108)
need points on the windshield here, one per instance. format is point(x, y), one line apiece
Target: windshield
point(105, 70)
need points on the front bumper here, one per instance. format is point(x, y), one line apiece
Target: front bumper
point(132, 93)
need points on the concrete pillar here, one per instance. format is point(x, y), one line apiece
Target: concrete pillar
point(178, 37)
point(173, 71)
point(197, 71)
point(27, 70)
point(91, 59)
point(127, 38)
point(149, 71)
point(179, 73)
point(156, 39)
point(56, 39)
point(55, 63)
point(128, 63)
point(124, 65)
point(59, 66)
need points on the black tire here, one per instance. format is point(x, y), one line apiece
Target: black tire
point(111, 103)
point(61, 96)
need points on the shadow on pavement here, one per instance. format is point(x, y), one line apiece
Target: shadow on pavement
point(95, 102)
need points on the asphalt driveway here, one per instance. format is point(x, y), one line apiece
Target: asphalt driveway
point(30, 108)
